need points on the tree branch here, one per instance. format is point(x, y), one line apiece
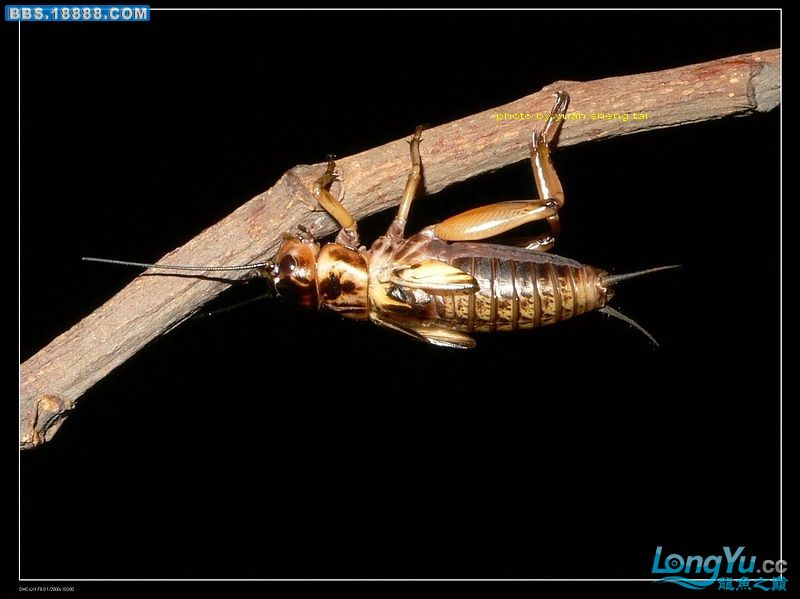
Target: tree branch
point(52, 380)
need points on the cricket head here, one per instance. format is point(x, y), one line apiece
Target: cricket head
point(293, 271)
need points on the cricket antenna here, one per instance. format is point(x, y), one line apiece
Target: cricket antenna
point(253, 266)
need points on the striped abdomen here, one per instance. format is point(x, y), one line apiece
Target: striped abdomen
point(518, 294)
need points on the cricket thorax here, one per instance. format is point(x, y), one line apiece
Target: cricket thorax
point(343, 281)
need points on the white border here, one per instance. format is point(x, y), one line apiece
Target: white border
point(19, 281)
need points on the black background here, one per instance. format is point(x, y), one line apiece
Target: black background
point(272, 443)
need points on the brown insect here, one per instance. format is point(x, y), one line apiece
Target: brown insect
point(442, 284)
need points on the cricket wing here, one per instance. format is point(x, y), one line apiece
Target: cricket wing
point(435, 276)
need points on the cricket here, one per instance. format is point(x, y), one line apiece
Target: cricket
point(444, 283)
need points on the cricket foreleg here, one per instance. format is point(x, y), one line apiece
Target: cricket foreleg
point(348, 235)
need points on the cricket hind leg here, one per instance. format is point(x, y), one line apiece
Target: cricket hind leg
point(488, 221)
point(494, 219)
point(348, 234)
point(545, 176)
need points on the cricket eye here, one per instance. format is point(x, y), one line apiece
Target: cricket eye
point(287, 265)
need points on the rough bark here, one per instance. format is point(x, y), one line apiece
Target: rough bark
point(52, 380)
